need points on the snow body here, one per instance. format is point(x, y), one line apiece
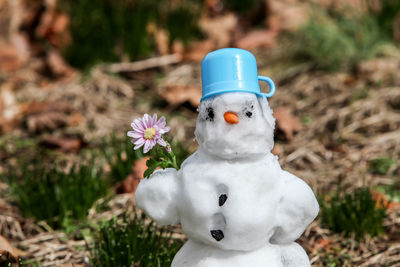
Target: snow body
point(235, 203)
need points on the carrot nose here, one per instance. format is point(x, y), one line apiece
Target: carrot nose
point(231, 117)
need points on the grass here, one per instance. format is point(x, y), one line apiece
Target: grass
point(132, 242)
point(54, 196)
point(108, 31)
point(338, 40)
point(121, 157)
point(381, 165)
point(357, 213)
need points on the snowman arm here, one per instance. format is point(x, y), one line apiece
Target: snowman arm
point(157, 196)
point(297, 208)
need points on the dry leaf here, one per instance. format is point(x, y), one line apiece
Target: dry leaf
point(58, 66)
point(286, 122)
point(7, 248)
point(321, 243)
point(286, 14)
point(10, 111)
point(198, 50)
point(220, 29)
point(10, 60)
point(382, 201)
point(63, 143)
point(162, 41)
point(257, 38)
point(179, 94)
point(53, 25)
point(42, 116)
point(131, 182)
point(379, 69)
point(277, 150)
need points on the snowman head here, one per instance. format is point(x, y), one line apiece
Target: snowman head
point(235, 125)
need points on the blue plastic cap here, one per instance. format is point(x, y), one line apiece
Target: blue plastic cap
point(231, 70)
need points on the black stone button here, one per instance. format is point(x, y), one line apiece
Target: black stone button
point(222, 199)
point(217, 234)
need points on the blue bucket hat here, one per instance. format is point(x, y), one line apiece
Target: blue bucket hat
point(231, 70)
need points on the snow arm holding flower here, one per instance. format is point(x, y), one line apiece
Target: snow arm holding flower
point(158, 195)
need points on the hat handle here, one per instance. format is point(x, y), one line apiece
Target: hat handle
point(271, 85)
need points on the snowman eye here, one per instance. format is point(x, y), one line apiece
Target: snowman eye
point(210, 114)
point(249, 109)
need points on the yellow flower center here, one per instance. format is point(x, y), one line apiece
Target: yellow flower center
point(149, 133)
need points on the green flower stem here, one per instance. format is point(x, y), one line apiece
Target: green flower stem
point(162, 158)
point(173, 162)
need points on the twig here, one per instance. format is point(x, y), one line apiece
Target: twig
point(143, 64)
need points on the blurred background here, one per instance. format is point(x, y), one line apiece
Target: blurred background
point(74, 73)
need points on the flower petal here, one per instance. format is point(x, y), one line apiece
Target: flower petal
point(148, 145)
point(161, 142)
point(154, 121)
point(147, 121)
point(137, 146)
point(139, 141)
point(165, 130)
point(135, 134)
point(161, 122)
point(138, 125)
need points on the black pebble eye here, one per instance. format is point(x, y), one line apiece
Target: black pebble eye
point(210, 114)
point(249, 114)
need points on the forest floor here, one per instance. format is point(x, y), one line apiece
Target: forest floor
point(331, 128)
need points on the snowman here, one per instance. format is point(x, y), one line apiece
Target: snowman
point(236, 205)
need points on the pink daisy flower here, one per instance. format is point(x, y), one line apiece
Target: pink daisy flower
point(148, 132)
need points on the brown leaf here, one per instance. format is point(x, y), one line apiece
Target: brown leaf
point(198, 50)
point(179, 94)
point(9, 58)
point(380, 70)
point(7, 248)
point(286, 122)
point(162, 41)
point(257, 38)
point(160, 36)
point(63, 143)
point(10, 111)
point(58, 66)
point(277, 150)
point(42, 116)
point(220, 29)
point(53, 26)
point(322, 243)
point(286, 14)
point(131, 182)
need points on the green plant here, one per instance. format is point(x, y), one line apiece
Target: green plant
point(109, 30)
point(338, 39)
point(57, 197)
point(386, 15)
point(357, 213)
point(380, 165)
point(241, 6)
point(334, 258)
point(121, 157)
point(133, 241)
